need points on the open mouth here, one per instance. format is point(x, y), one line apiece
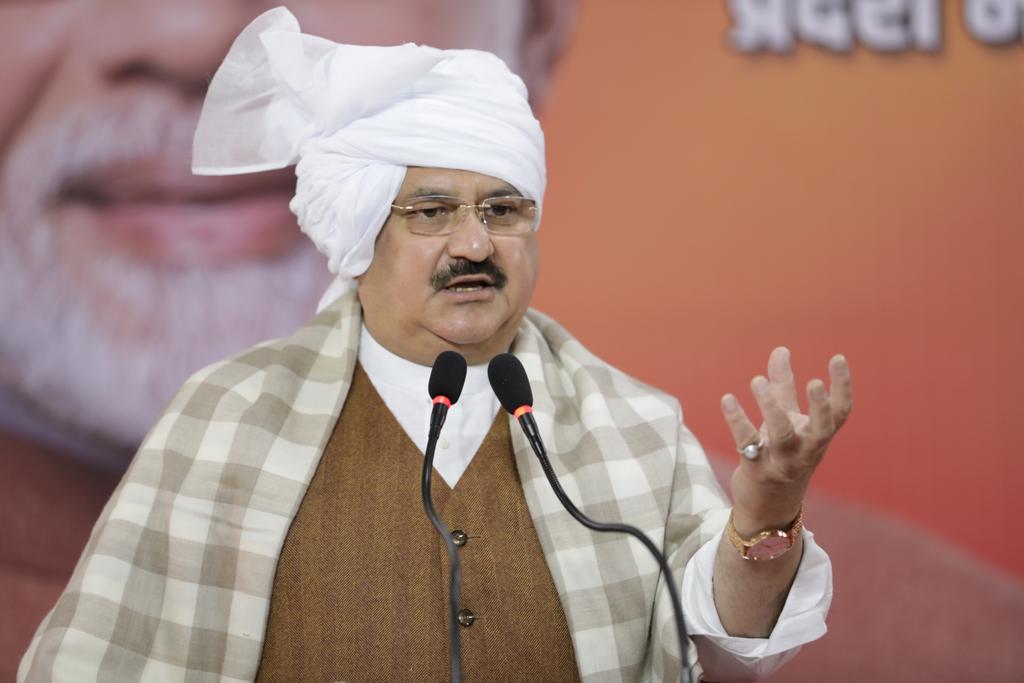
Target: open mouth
point(469, 283)
point(466, 278)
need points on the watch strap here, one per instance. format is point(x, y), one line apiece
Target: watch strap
point(743, 545)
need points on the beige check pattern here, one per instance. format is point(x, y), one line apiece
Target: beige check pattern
point(174, 583)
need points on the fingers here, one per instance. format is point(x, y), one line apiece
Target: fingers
point(822, 424)
point(777, 399)
point(743, 430)
point(780, 375)
point(780, 427)
point(841, 389)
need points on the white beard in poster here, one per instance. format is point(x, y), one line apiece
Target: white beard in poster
point(103, 321)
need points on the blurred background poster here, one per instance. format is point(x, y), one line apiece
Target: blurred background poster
point(832, 175)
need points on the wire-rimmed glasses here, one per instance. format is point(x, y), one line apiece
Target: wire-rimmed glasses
point(440, 215)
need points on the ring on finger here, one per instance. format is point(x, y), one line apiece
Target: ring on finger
point(751, 450)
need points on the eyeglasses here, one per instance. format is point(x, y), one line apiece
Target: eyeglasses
point(439, 215)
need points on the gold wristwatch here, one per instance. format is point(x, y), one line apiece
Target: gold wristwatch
point(769, 544)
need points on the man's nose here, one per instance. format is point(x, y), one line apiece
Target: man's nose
point(178, 43)
point(470, 239)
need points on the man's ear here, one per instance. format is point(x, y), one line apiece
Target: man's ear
point(546, 32)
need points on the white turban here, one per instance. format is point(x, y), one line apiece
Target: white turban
point(354, 118)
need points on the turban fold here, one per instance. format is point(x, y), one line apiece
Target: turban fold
point(354, 118)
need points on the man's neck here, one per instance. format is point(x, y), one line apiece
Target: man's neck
point(421, 346)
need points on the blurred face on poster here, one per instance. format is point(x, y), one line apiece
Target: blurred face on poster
point(120, 272)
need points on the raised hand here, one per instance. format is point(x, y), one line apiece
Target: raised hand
point(768, 489)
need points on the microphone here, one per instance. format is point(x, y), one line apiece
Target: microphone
point(445, 386)
point(512, 387)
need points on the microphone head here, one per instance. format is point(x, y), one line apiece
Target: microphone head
point(509, 381)
point(447, 376)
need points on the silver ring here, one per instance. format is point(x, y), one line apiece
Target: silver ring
point(751, 450)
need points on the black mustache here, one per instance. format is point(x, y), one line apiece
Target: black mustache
point(460, 267)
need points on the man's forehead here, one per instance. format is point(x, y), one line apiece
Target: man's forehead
point(422, 181)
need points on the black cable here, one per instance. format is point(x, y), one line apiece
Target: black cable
point(454, 646)
point(533, 436)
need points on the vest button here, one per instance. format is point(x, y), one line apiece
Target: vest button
point(459, 537)
point(466, 617)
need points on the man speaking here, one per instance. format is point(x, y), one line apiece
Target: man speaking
point(269, 526)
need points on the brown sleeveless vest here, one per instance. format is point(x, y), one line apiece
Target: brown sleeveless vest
point(361, 587)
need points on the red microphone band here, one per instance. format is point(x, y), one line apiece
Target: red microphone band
point(442, 399)
point(522, 410)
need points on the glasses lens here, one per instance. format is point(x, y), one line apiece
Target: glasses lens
point(430, 216)
point(509, 214)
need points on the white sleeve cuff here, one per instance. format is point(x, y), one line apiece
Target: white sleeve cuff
point(725, 657)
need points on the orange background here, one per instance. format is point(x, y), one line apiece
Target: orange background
point(706, 205)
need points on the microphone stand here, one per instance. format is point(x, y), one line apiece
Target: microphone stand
point(437, 417)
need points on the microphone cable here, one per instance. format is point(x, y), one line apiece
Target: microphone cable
point(512, 387)
point(447, 377)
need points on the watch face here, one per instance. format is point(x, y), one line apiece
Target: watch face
point(770, 548)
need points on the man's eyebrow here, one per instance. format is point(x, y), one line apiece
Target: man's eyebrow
point(427, 191)
point(503, 191)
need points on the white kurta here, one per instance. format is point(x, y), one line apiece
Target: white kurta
point(402, 385)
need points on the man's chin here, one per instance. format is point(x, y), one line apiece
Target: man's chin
point(478, 343)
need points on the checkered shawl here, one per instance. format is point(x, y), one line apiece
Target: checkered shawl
point(175, 581)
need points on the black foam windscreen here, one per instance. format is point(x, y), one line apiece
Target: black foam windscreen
point(447, 376)
point(509, 381)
